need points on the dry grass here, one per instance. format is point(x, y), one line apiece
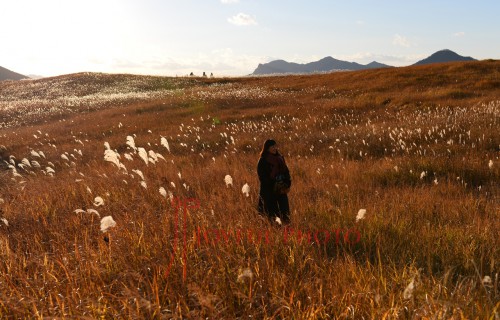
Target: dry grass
point(412, 146)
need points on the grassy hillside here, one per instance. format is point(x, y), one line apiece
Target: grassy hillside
point(418, 148)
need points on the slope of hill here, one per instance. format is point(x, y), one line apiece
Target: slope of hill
point(443, 56)
point(326, 64)
point(24, 102)
point(124, 211)
point(6, 74)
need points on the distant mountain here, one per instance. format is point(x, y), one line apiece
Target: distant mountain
point(326, 64)
point(329, 64)
point(6, 74)
point(376, 65)
point(443, 56)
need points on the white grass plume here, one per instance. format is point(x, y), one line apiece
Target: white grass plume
point(34, 154)
point(131, 142)
point(35, 164)
point(228, 180)
point(106, 223)
point(361, 214)
point(245, 274)
point(93, 211)
point(89, 211)
point(139, 173)
point(159, 156)
point(50, 171)
point(163, 192)
point(26, 162)
point(423, 174)
point(98, 201)
point(246, 189)
point(486, 280)
point(152, 156)
point(110, 155)
point(408, 293)
point(164, 143)
point(143, 154)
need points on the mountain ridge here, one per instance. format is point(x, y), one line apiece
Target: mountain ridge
point(330, 64)
point(325, 64)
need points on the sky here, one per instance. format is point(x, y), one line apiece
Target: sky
point(231, 37)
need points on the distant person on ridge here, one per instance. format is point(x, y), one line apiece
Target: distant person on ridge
point(275, 183)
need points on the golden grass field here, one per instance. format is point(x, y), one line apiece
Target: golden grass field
point(417, 147)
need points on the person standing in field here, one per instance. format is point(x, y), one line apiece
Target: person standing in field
point(275, 183)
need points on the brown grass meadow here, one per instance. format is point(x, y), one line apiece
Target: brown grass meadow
point(417, 147)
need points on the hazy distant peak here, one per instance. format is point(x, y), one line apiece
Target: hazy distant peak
point(6, 74)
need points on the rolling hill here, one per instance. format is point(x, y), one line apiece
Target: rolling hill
point(6, 74)
point(114, 200)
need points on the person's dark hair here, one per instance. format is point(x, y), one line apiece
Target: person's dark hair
point(265, 148)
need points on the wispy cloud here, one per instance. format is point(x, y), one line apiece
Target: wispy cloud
point(401, 41)
point(459, 34)
point(242, 19)
point(360, 22)
point(229, 1)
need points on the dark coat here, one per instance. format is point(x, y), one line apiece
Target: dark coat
point(264, 169)
point(271, 204)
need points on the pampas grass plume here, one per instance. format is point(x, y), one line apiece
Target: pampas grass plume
point(107, 223)
point(246, 189)
point(361, 214)
point(228, 180)
point(98, 201)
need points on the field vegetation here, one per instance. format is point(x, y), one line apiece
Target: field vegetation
point(418, 148)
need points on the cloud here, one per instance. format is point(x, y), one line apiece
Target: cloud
point(401, 41)
point(242, 19)
point(459, 34)
point(360, 22)
point(229, 1)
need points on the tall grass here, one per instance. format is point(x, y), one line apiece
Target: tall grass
point(356, 140)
